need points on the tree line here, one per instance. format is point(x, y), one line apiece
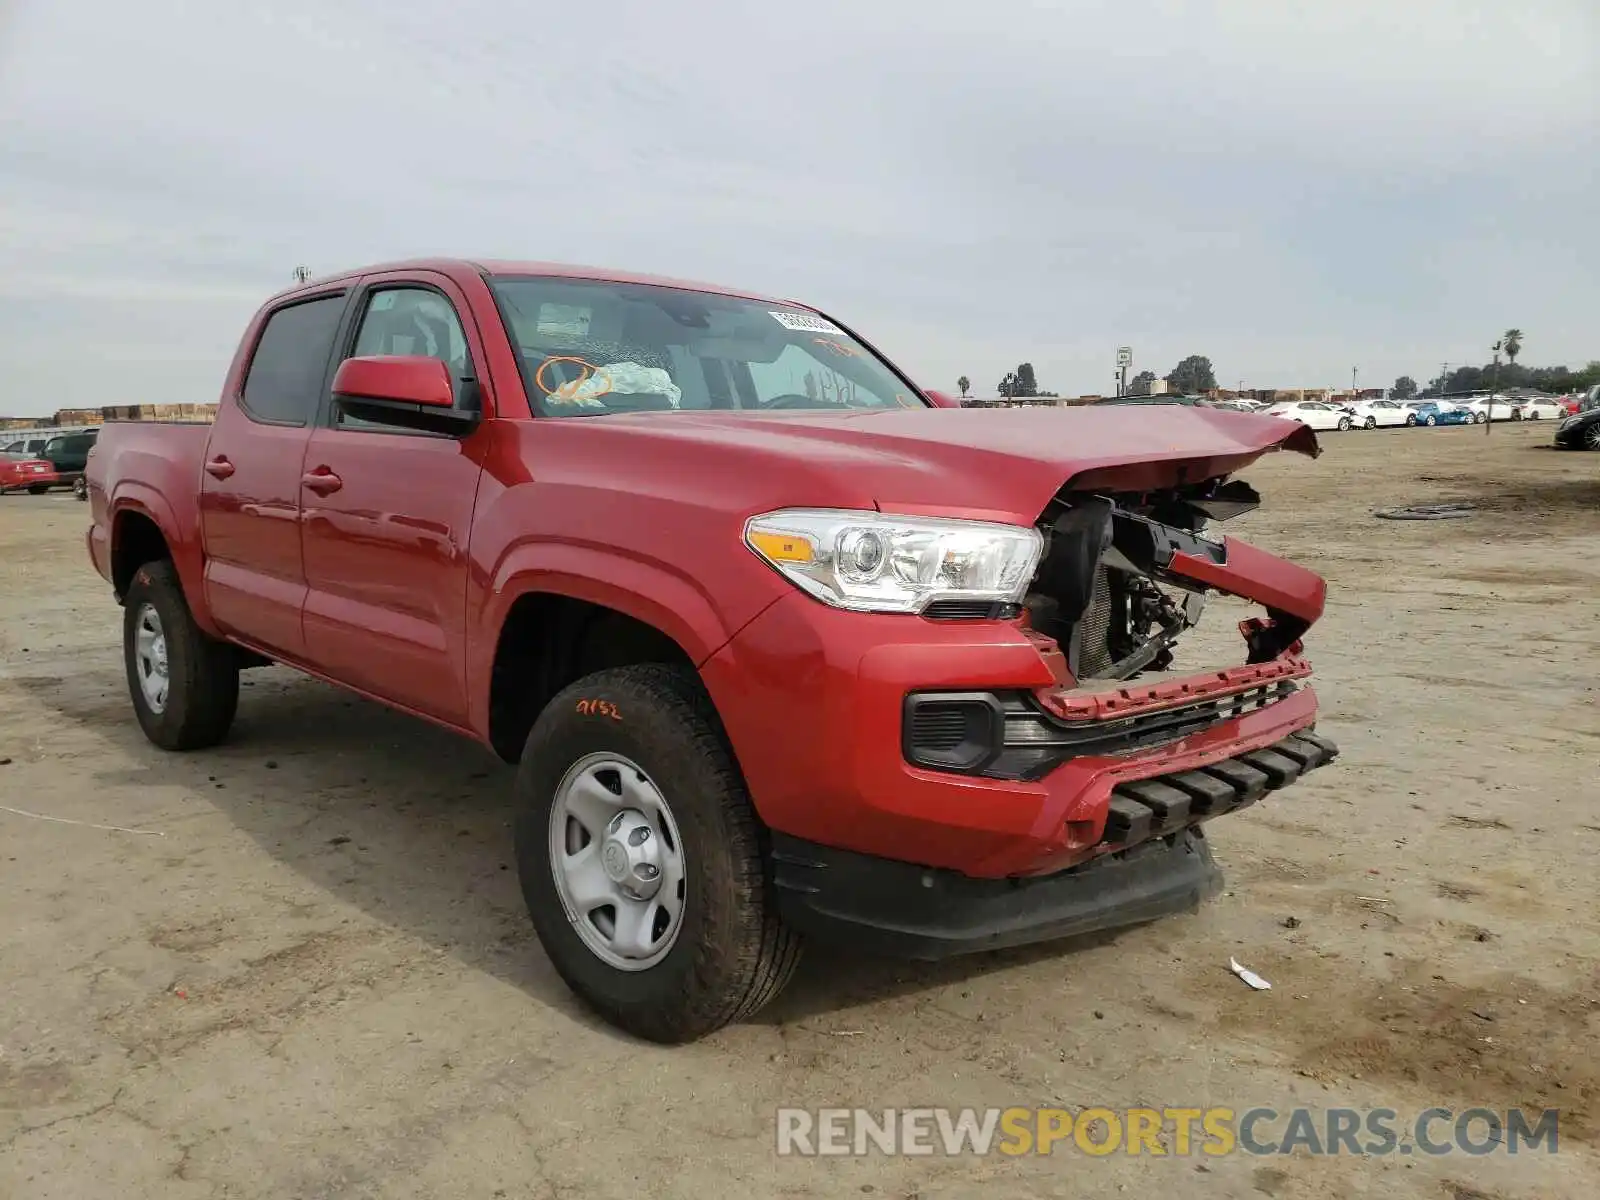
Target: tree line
point(1195, 374)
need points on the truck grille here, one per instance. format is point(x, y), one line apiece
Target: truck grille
point(1008, 736)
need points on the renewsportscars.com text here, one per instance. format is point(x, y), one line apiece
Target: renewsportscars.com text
point(1164, 1131)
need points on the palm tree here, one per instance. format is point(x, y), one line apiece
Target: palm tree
point(963, 383)
point(1513, 344)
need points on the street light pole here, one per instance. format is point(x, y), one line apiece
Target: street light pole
point(1494, 386)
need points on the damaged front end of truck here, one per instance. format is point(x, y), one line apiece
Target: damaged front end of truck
point(1159, 747)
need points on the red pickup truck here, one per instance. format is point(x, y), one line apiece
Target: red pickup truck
point(783, 648)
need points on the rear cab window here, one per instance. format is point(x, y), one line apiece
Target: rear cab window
point(283, 385)
point(589, 348)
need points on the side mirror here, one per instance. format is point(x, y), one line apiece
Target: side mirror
point(941, 399)
point(407, 391)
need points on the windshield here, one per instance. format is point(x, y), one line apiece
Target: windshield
point(589, 348)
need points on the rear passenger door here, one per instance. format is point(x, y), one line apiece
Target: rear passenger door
point(250, 485)
point(386, 515)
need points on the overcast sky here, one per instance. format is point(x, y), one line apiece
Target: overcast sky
point(1290, 188)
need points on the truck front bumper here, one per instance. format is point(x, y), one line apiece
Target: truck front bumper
point(814, 700)
point(1164, 866)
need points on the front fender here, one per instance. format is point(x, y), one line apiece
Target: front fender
point(648, 590)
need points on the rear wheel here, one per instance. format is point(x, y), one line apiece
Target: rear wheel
point(80, 488)
point(38, 489)
point(1411, 419)
point(1344, 424)
point(1431, 420)
point(184, 685)
point(640, 857)
point(1372, 423)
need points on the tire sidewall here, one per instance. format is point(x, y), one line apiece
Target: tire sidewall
point(155, 584)
point(658, 741)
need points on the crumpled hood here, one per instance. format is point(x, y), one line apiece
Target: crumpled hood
point(1000, 463)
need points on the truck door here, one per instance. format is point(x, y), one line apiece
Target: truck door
point(250, 483)
point(386, 515)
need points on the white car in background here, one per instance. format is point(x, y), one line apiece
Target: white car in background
point(1538, 408)
point(1375, 414)
point(1489, 408)
point(1311, 412)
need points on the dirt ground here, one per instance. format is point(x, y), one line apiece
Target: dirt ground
point(310, 973)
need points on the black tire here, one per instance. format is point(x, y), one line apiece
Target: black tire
point(202, 673)
point(732, 954)
point(1371, 423)
point(1344, 424)
point(1411, 419)
point(38, 489)
point(80, 488)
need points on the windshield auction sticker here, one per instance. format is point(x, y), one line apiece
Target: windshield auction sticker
point(806, 323)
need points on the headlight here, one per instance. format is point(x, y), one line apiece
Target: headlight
point(873, 562)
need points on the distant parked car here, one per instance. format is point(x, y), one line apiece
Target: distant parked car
point(1431, 412)
point(1313, 413)
point(1371, 414)
point(1491, 408)
point(21, 470)
point(69, 453)
point(1537, 408)
point(1581, 431)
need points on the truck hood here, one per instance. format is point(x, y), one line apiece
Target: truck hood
point(1004, 464)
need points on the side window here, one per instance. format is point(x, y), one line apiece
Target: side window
point(284, 385)
point(408, 320)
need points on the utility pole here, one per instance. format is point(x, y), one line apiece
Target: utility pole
point(1353, 388)
point(1444, 371)
point(1494, 386)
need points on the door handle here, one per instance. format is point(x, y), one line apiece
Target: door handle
point(322, 481)
point(219, 468)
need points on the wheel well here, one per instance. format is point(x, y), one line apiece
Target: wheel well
point(135, 540)
point(548, 642)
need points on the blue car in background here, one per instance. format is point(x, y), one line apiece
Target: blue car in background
point(1428, 412)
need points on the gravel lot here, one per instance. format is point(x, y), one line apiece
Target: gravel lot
point(311, 975)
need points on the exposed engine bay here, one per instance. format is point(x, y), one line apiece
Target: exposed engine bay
point(1103, 590)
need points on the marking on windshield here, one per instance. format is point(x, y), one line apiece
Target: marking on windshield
point(838, 348)
point(567, 393)
point(806, 323)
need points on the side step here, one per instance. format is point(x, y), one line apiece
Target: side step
point(1142, 809)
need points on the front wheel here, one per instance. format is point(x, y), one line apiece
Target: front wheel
point(640, 857)
point(184, 685)
point(80, 488)
point(1432, 420)
point(1591, 437)
point(1372, 423)
point(1480, 418)
point(1344, 424)
point(38, 489)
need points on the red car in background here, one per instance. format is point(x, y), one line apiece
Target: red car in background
point(18, 471)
